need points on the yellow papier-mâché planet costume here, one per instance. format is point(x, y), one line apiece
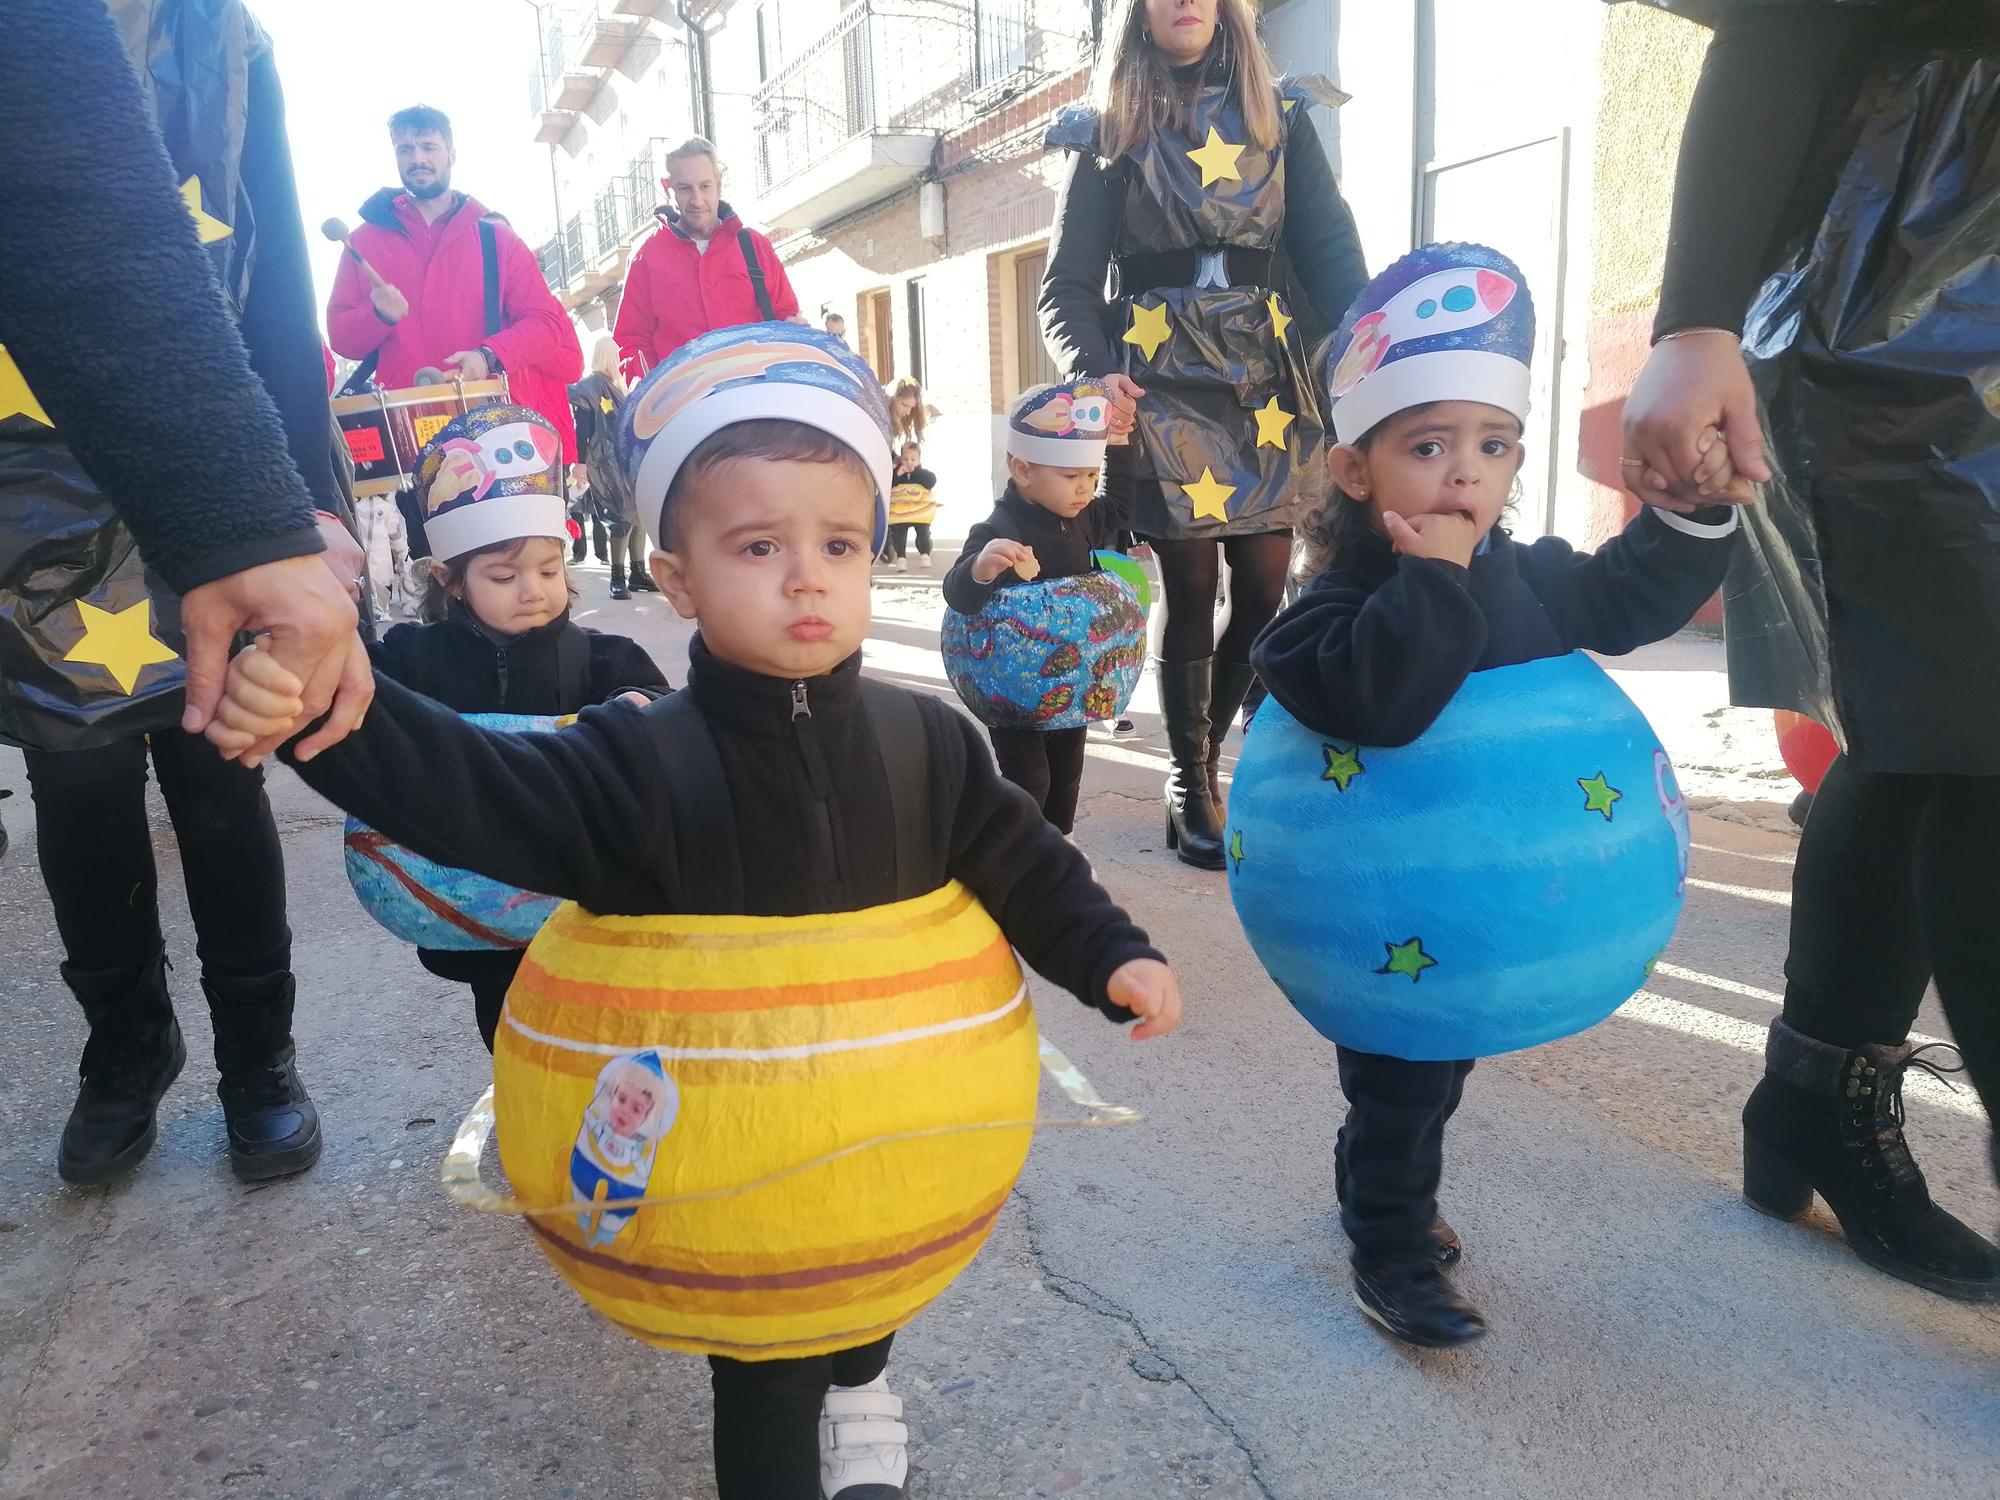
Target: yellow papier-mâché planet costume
point(780, 1043)
point(912, 503)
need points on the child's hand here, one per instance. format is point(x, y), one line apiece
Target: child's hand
point(636, 699)
point(999, 555)
point(1148, 989)
point(259, 699)
point(1448, 536)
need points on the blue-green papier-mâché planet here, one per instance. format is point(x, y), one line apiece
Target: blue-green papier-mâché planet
point(1506, 879)
point(1057, 653)
point(439, 906)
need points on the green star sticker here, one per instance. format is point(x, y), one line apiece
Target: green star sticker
point(1343, 764)
point(1598, 795)
point(1408, 958)
point(1236, 847)
point(1652, 964)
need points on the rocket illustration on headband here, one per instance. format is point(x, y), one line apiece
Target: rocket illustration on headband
point(1444, 302)
point(476, 463)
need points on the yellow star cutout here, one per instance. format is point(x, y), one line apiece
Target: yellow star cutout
point(1149, 328)
point(122, 642)
point(1272, 420)
point(14, 393)
point(606, 405)
point(207, 227)
point(1217, 159)
point(1279, 322)
point(1209, 496)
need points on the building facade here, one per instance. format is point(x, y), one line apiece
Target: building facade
point(892, 149)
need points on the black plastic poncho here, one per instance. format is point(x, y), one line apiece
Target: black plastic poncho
point(1870, 595)
point(1230, 414)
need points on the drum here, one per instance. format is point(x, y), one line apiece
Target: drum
point(385, 430)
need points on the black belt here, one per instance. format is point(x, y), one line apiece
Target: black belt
point(1182, 268)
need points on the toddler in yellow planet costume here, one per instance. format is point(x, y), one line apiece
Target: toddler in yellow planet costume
point(811, 946)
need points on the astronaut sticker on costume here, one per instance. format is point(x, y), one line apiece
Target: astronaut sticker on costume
point(633, 1108)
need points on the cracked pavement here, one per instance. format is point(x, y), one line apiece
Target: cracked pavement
point(1163, 1310)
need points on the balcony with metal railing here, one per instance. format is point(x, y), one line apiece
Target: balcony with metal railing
point(594, 247)
point(856, 115)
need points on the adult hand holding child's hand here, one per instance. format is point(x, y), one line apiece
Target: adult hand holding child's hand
point(999, 555)
point(1448, 536)
point(1148, 989)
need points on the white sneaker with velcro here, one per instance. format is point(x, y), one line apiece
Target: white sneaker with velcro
point(863, 1443)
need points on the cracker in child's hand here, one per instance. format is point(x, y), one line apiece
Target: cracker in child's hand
point(1027, 569)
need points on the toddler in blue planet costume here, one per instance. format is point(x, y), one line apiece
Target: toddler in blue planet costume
point(1417, 588)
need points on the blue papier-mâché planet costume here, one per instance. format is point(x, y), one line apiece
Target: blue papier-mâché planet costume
point(1054, 653)
point(1509, 876)
point(1057, 653)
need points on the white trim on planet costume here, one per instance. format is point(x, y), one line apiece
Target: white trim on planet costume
point(779, 1054)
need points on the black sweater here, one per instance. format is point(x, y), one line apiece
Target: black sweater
point(1320, 243)
point(582, 814)
point(1377, 645)
point(468, 668)
point(1062, 544)
point(112, 308)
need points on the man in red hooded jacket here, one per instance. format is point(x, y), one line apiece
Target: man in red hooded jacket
point(426, 302)
point(695, 274)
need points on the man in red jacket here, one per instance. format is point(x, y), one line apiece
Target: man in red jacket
point(701, 270)
point(426, 303)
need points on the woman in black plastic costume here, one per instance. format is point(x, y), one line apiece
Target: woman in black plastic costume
point(1197, 176)
point(1838, 205)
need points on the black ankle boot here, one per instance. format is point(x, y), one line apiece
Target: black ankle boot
point(1192, 826)
point(133, 1056)
point(1829, 1120)
point(1415, 1301)
point(618, 589)
point(1232, 682)
point(273, 1126)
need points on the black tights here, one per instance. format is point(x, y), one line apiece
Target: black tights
point(1190, 570)
point(1898, 880)
point(767, 1419)
point(96, 850)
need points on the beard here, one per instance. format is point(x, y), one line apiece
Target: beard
point(436, 187)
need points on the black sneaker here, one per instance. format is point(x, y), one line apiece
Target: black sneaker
point(273, 1126)
point(115, 1119)
point(1414, 1300)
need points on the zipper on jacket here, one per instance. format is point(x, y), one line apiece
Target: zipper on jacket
point(500, 662)
point(826, 862)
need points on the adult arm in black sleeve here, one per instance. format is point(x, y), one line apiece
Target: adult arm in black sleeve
point(1374, 667)
point(555, 813)
point(1321, 241)
point(1748, 134)
point(1072, 301)
point(110, 305)
point(1639, 587)
point(1035, 882)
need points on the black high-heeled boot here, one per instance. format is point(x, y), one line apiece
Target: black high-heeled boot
point(273, 1125)
point(1231, 684)
point(1829, 1120)
point(1193, 830)
point(132, 1058)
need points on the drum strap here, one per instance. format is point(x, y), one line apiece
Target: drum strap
point(704, 819)
point(756, 269)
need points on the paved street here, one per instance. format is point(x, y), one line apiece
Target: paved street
point(1164, 1311)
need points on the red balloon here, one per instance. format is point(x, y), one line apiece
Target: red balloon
point(1807, 746)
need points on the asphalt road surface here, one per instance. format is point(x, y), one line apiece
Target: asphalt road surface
point(1163, 1310)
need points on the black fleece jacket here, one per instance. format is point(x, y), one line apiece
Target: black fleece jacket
point(583, 814)
point(460, 663)
point(113, 312)
point(1377, 645)
point(1062, 544)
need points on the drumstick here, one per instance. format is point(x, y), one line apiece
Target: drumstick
point(336, 230)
